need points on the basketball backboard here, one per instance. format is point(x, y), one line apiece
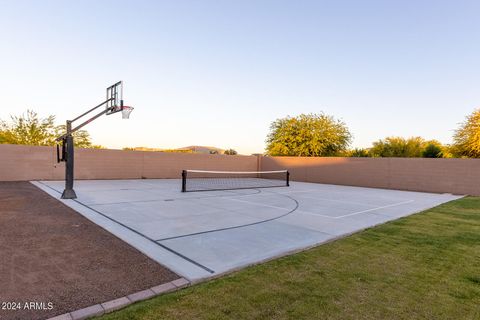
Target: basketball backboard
point(115, 98)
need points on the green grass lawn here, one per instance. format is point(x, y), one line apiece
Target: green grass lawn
point(426, 266)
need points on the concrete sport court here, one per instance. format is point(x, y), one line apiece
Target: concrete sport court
point(204, 234)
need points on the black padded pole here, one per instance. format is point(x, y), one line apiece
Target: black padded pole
point(69, 193)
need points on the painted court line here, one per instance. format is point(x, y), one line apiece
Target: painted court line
point(341, 201)
point(137, 232)
point(239, 226)
point(260, 204)
point(320, 198)
point(173, 199)
point(378, 208)
point(358, 212)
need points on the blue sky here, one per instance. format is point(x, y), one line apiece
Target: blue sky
point(219, 72)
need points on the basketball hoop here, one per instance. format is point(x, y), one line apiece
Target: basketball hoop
point(126, 112)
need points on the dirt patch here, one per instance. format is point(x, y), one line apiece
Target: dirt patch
point(53, 256)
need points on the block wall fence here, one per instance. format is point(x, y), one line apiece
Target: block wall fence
point(457, 176)
point(40, 163)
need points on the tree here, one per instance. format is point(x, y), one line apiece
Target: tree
point(230, 152)
point(466, 140)
point(308, 135)
point(433, 149)
point(414, 147)
point(358, 153)
point(3, 136)
point(81, 138)
point(398, 147)
point(30, 129)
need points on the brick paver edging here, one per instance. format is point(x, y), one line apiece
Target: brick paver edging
point(109, 306)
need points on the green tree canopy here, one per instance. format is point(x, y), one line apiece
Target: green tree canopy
point(433, 149)
point(414, 147)
point(81, 138)
point(466, 140)
point(4, 136)
point(30, 129)
point(308, 135)
point(398, 147)
point(358, 153)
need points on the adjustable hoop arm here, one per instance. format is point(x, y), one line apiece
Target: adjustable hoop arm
point(62, 137)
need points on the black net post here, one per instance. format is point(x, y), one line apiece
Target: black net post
point(184, 180)
point(288, 178)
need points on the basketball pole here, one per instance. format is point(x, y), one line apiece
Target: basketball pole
point(69, 157)
point(68, 148)
point(69, 193)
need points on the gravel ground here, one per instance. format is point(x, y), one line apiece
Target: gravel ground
point(58, 260)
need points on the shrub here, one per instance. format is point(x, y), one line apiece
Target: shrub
point(230, 152)
point(398, 147)
point(358, 153)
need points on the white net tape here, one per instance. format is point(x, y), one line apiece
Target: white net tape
point(202, 180)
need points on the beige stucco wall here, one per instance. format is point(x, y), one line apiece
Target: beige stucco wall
point(458, 176)
point(39, 163)
point(26, 162)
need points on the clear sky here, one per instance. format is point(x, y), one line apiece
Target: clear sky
point(219, 72)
